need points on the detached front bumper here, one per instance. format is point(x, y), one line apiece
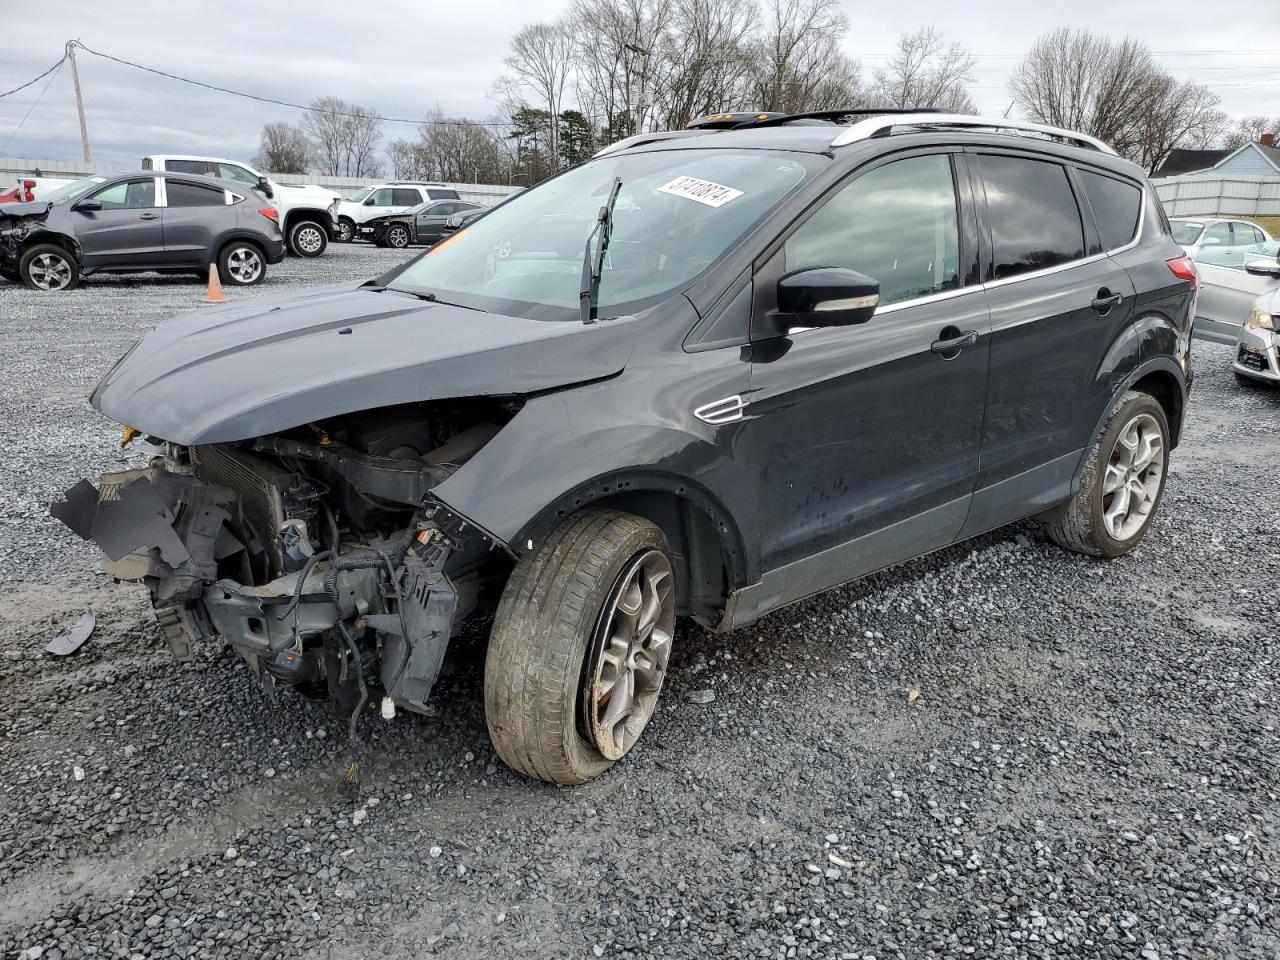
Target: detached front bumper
point(314, 626)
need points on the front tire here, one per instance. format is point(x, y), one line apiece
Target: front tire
point(580, 646)
point(47, 266)
point(346, 231)
point(307, 239)
point(241, 264)
point(397, 236)
point(1122, 484)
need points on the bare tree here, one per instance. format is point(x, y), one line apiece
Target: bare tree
point(344, 137)
point(703, 61)
point(1113, 90)
point(451, 149)
point(926, 72)
point(541, 60)
point(1250, 130)
point(614, 51)
point(282, 148)
point(798, 65)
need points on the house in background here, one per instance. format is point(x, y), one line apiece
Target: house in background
point(1241, 182)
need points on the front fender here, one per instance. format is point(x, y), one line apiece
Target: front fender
point(538, 470)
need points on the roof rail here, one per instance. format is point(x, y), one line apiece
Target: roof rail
point(657, 136)
point(834, 116)
point(879, 126)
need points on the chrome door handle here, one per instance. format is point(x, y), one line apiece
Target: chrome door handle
point(148, 216)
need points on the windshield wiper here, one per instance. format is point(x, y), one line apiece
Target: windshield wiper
point(593, 266)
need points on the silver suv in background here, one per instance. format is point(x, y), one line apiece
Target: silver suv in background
point(308, 213)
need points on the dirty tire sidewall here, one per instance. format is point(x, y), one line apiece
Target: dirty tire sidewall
point(35, 264)
point(541, 633)
point(1078, 524)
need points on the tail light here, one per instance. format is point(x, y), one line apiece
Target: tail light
point(272, 214)
point(1184, 268)
point(28, 191)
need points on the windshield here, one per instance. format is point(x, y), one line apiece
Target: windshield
point(677, 212)
point(1186, 232)
point(69, 191)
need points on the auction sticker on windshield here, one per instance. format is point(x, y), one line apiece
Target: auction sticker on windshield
point(700, 191)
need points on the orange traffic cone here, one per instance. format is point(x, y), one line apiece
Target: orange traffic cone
point(215, 285)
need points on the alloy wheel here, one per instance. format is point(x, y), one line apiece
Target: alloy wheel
point(345, 231)
point(244, 264)
point(398, 237)
point(308, 240)
point(630, 654)
point(1134, 474)
point(50, 272)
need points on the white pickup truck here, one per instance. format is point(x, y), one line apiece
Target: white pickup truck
point(29, 188)
point(308, 214)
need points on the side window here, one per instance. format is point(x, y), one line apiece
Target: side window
point(897, 224)
point(437, 193)
point(1246, 234)
point(382, 198)
point(230, 171)
point(444, 208)
point(130, 195)
point(405, 197)
point(1217, 235)
point(1115, 206)
point(180, 194)
point(1034, 220)
point(187, 166)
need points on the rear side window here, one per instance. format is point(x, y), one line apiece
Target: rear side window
point(187, 166)
point(1246, 234)
point(1115, 206)
point(181, 194)
point(404, 197)
point(896, 224)
point(1034, 220)
point(230, 171)
point(438, 194)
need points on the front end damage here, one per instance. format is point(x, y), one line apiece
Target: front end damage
point(319, 554)
point(17, 222)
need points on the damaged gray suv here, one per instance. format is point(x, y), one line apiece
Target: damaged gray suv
point(706, 374)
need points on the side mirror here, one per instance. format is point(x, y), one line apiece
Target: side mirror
point(264, 185)
point(369, 202)
point(1210, 242)
point(826, 297)
point(88, 206)
point(1264, 268)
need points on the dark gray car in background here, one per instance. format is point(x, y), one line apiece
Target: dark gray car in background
point(134, 222)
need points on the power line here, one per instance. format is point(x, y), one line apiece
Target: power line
point(55, 70)
point(36, 80)
point(283, 103)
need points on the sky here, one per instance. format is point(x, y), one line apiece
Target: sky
point(407, 58)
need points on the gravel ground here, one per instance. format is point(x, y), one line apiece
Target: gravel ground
point(999, 750)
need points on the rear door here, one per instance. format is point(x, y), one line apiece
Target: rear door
point(866, 437)
point(194, 216)
point(126, 232)
point(1058, 303)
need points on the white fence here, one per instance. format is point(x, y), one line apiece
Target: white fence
point(1209, 194)
point(13, 167)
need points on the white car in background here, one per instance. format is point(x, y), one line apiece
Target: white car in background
point(1257, 348)
point(308, 214)
point(1227, 288)
point(1228, 238)
point(383, 199)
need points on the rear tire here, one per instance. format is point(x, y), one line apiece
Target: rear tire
point(1122, 484)
point(307, 239)
point(47, 266)
point(241, 264)
point(553, 666)
point(346, 230)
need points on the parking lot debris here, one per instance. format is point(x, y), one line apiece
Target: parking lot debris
point(702, 696)
point(68, 643)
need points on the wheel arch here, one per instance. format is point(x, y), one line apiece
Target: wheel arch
point(707, 545)
point(309, 214)
point(237, 235)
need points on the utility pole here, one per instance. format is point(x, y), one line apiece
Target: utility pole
point(636, 111)
point(75, 76)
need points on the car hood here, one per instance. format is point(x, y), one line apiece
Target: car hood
point(33, 209)
point(252, 369)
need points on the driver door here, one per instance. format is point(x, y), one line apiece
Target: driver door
point(126, 232)
point(866, 437)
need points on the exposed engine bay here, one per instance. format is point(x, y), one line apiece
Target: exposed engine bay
point(318, 553)
point(17, 222)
